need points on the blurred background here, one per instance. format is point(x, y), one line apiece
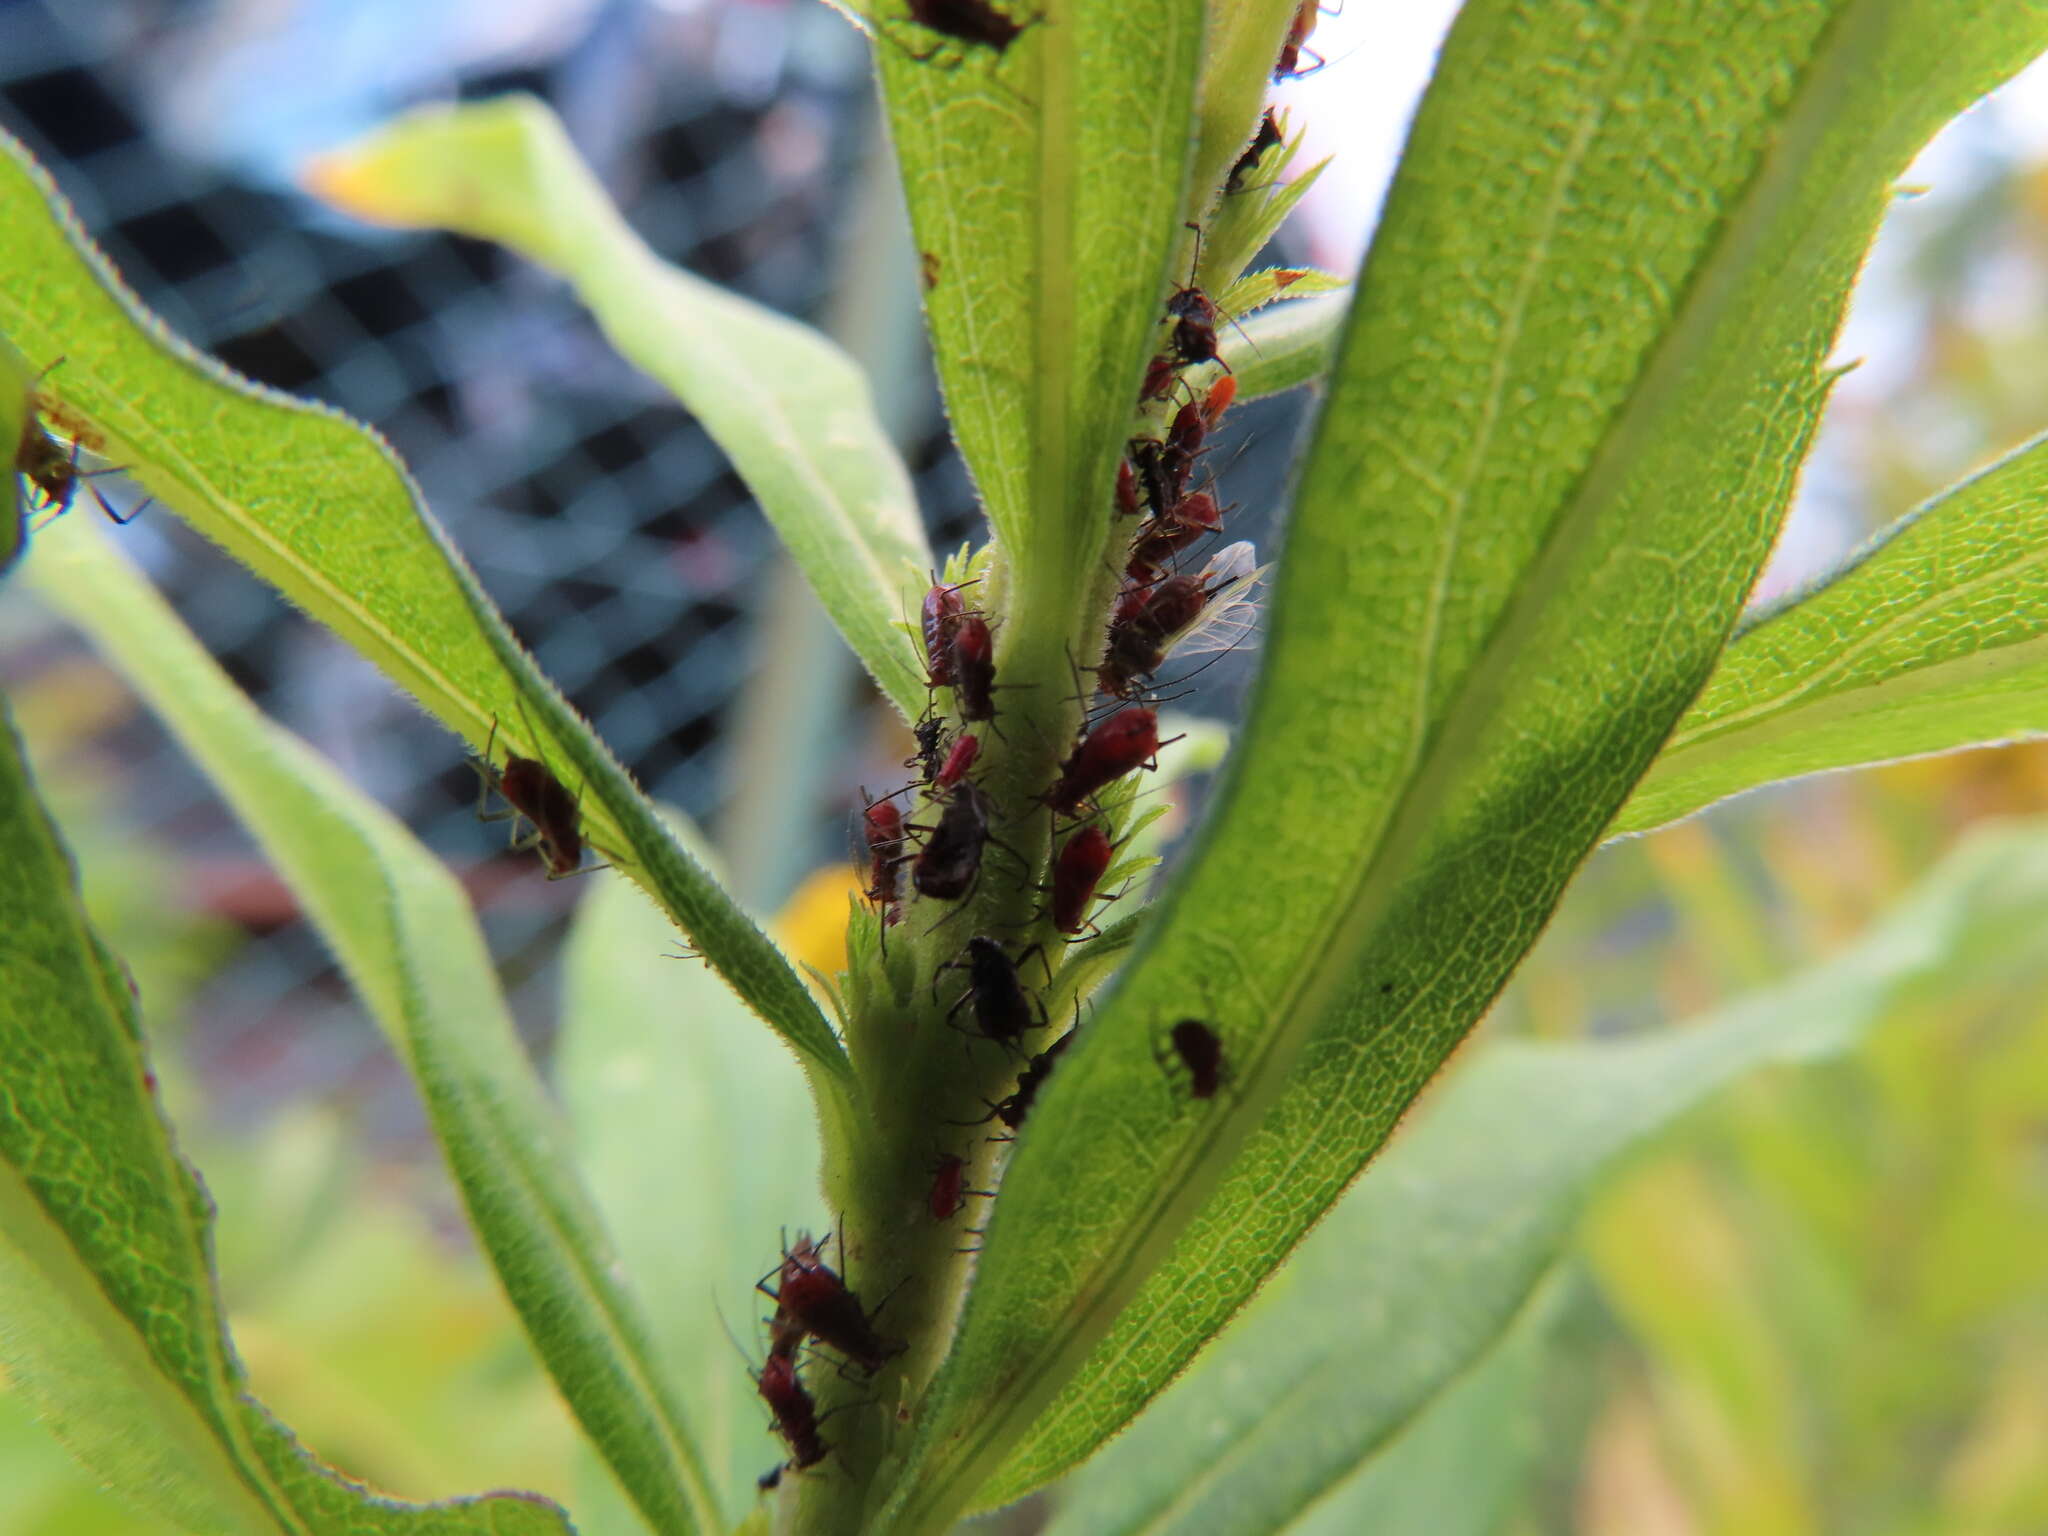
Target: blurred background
point(1860, 1343)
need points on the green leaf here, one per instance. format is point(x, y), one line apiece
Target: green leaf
point(110, 1326)
point(1429, 1270)
point(788, 406)
point(1461, 1468)
point(1046, 190)
point(1285, 347)
point(1541, 413)
point(316, 505)
point(404, 932)
point(1933, 637)
point(694, 1135)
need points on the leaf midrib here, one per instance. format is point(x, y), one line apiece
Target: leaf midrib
point(1757, 714)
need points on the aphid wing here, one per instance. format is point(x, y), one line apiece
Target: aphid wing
point(1232, 613)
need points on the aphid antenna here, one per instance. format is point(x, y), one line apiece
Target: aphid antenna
point(1195, 266)
point(761, 1285)
point(487, 770)
point(971, 1124)
point(732, 1338)
point(1188, 677)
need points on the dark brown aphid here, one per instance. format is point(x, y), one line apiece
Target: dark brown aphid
point(1143, 628)
point(1151, 472)
point(882, 827)
point(811, 1301)
point(928, 269)
point(1076, 873)
point(948, 864)
point(958, 761)
point(536, 796)
point(1013, 1109)
point(1288, 66)
point(1002, 1008)
point(930, 734)
point(53, 472)
point(949, 1193)
point(975, 23)
point(1116, 745)
point(1266, 138)
point(1194, 331)
point(1198, 1049)
point(796, 1415)
point(974, 668)
point(1194, 314)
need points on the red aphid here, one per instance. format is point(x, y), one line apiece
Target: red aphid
point(1076, 873)
point(1221, 393)
point(949, 1188)
point(974, 667)
point(1143, 628)
point(1127, 504)
point(961, 758)
point(1154, 549)
point(942, 610)
point(1118, 744)
point(1198, 509)
point(1193, 516)
point(811, 1300)
point(1158, 376)
point(796, 1415)
point(1190, 426)
point(882, 826)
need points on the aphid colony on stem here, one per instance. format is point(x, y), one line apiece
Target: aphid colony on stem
point(939, 850)
point(812, 1304)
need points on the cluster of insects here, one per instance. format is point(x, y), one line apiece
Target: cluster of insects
point(814, 1306)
